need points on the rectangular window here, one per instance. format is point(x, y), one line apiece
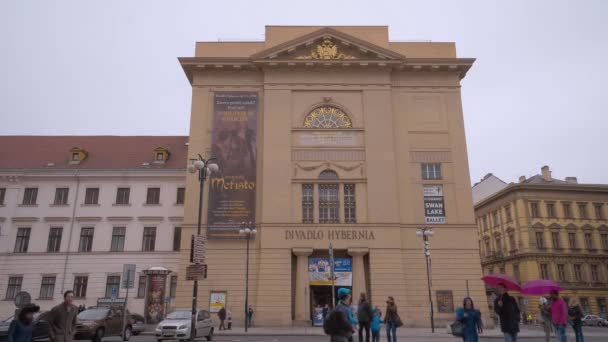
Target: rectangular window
point(14, 287)
point(578, 272)
point(512, 241)
point(601, 306)
point(561, 272)
point(153, 196)
point(61, 196)
point(599, 211)
point(173, 287)
point(567, 210)
point(582, 210)
point(141, 286)
point(585, 305)
point(501, 270)
point(431, 171)
point(29, 196)
point(177, 238)
point(122, 196)
point(508, 213)
point(588, 241)
point(307, 203)
point(86, 240)
point(350, 215)
point(112, 286)
point(23, 240)
point(488, 248)
point(80, 286)
point(572, 240)
point(329, 203)
point(149, 239)
point(534, 210)
point(595, 274)
point(604, 238)
point(91, 196)
point(551, 210)
point(47, 288)
point(181, 195)
point(485, 222)
point(540, 240)
point(544, 271)
point(498, 244)
point(2, 195)
point(495, 218)
point(54, 244)
point(555, 239)
point(118, 239)
point(516, 273)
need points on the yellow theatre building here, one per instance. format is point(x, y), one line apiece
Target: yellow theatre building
point(331, 135)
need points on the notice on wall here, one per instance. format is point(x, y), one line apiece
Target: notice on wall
point(217, 300)
point(445, 301)
point(233, 144)
point(319, 271)
point(434, 207)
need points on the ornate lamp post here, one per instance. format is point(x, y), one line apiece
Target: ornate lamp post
point(248, 233)
point(204, 169)
point(425, 233)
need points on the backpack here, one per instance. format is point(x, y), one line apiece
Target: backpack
point(333, 322)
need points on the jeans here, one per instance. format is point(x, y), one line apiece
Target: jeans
point(376, 336)
point(391, 329)
point(578, 332)
point(363, 326)
point(510, 337)
point(560, 333)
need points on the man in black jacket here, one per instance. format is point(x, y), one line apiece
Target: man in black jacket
point(364, 316)
point(506, 308)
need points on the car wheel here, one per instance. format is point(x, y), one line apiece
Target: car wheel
point(210, 336)
point(98, 335)
point(128, 333)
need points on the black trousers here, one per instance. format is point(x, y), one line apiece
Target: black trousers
point(363, 325)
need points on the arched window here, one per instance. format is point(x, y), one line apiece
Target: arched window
point(328, 175)
point(327, 117)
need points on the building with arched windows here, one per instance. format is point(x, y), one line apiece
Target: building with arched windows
point(330, 136)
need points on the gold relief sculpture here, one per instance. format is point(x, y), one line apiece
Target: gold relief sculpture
point(327, 117)
point(326, 50)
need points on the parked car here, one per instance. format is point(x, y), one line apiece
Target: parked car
point(41, 328)
point(177, 325)
point(98, 322)
point(593, 320)
point(138, 324)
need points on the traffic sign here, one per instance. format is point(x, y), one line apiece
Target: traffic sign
point(198, 249)
point(128, 276)
point(22, 299)
point(196, 272)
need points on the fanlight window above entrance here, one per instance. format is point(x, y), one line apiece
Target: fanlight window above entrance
point(328, 175)
point(327, 117)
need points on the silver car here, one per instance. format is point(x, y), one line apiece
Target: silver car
point(593, 320)
point(176, 326)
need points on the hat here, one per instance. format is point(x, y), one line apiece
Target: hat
point(343, 292)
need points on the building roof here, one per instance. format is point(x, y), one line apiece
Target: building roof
point(103, 152)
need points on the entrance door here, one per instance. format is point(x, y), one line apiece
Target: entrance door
point(320, 295)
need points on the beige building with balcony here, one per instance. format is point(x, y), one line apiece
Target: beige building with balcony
point(546, 228)
point(331, 135)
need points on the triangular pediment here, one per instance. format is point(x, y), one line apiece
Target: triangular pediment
point(327, 44)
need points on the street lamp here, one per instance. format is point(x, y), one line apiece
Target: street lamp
point(425, 233)
point(248, 233)
point(204, 169)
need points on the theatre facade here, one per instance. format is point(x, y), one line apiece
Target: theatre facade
point(330, 136)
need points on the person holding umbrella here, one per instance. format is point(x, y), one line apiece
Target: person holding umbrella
point(559, 315)
point(506, 308)
point(22, 328)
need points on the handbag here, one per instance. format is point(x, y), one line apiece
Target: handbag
point(398, 321)
point(457, 328)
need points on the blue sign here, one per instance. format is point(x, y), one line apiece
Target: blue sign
point(319, 271)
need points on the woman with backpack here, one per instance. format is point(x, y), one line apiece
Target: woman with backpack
point(392, 320)
point(471, 318)
point(364, 316)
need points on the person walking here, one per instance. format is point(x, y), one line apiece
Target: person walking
point(506, 308)
point(559, 316)
point(341, 318)
point(222, 316)
point(471, 318)
point(22, 328)
point(250, 316)
point(229, 319)
point(392, 320)
point(545, 314)
point(364, 316)
point(375, 325)
point(576, 319)
point(62, 319)
point(325, 311)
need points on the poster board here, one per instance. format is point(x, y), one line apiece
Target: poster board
point(217, 300)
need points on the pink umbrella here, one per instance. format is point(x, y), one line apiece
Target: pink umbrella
point(540, 287)
point(497, 279)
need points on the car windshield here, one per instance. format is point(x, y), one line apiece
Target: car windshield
point(93, 314)
point(179, 315)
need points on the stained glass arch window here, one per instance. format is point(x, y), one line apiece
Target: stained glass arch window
point(327, 117)
point(328, 175)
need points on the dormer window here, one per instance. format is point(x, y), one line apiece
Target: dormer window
point(161, 155)
point(77, 155)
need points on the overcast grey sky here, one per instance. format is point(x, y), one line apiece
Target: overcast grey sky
point(536, 94)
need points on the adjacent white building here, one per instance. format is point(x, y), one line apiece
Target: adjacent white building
point(74, 209)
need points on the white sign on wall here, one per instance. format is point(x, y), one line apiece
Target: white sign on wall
point(434, 206)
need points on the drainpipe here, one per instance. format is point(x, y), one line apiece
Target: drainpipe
point(73, 218)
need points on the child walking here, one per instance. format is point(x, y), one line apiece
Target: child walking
point(375, 326)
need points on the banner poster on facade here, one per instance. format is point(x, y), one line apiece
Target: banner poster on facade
point(155, 306)
point(217, 300)
point(233, 144)
point(434, 208)
point(319, 272)
point(445, 301)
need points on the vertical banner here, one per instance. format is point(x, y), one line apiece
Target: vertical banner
point(434, 209)
point(233, 144)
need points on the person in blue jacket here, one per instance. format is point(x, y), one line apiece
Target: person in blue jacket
point(22, 328)
point(375, 326)
point(471, 319)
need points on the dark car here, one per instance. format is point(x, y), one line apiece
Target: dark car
point(98, 322)
point(41, 328)
point(138, 324)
